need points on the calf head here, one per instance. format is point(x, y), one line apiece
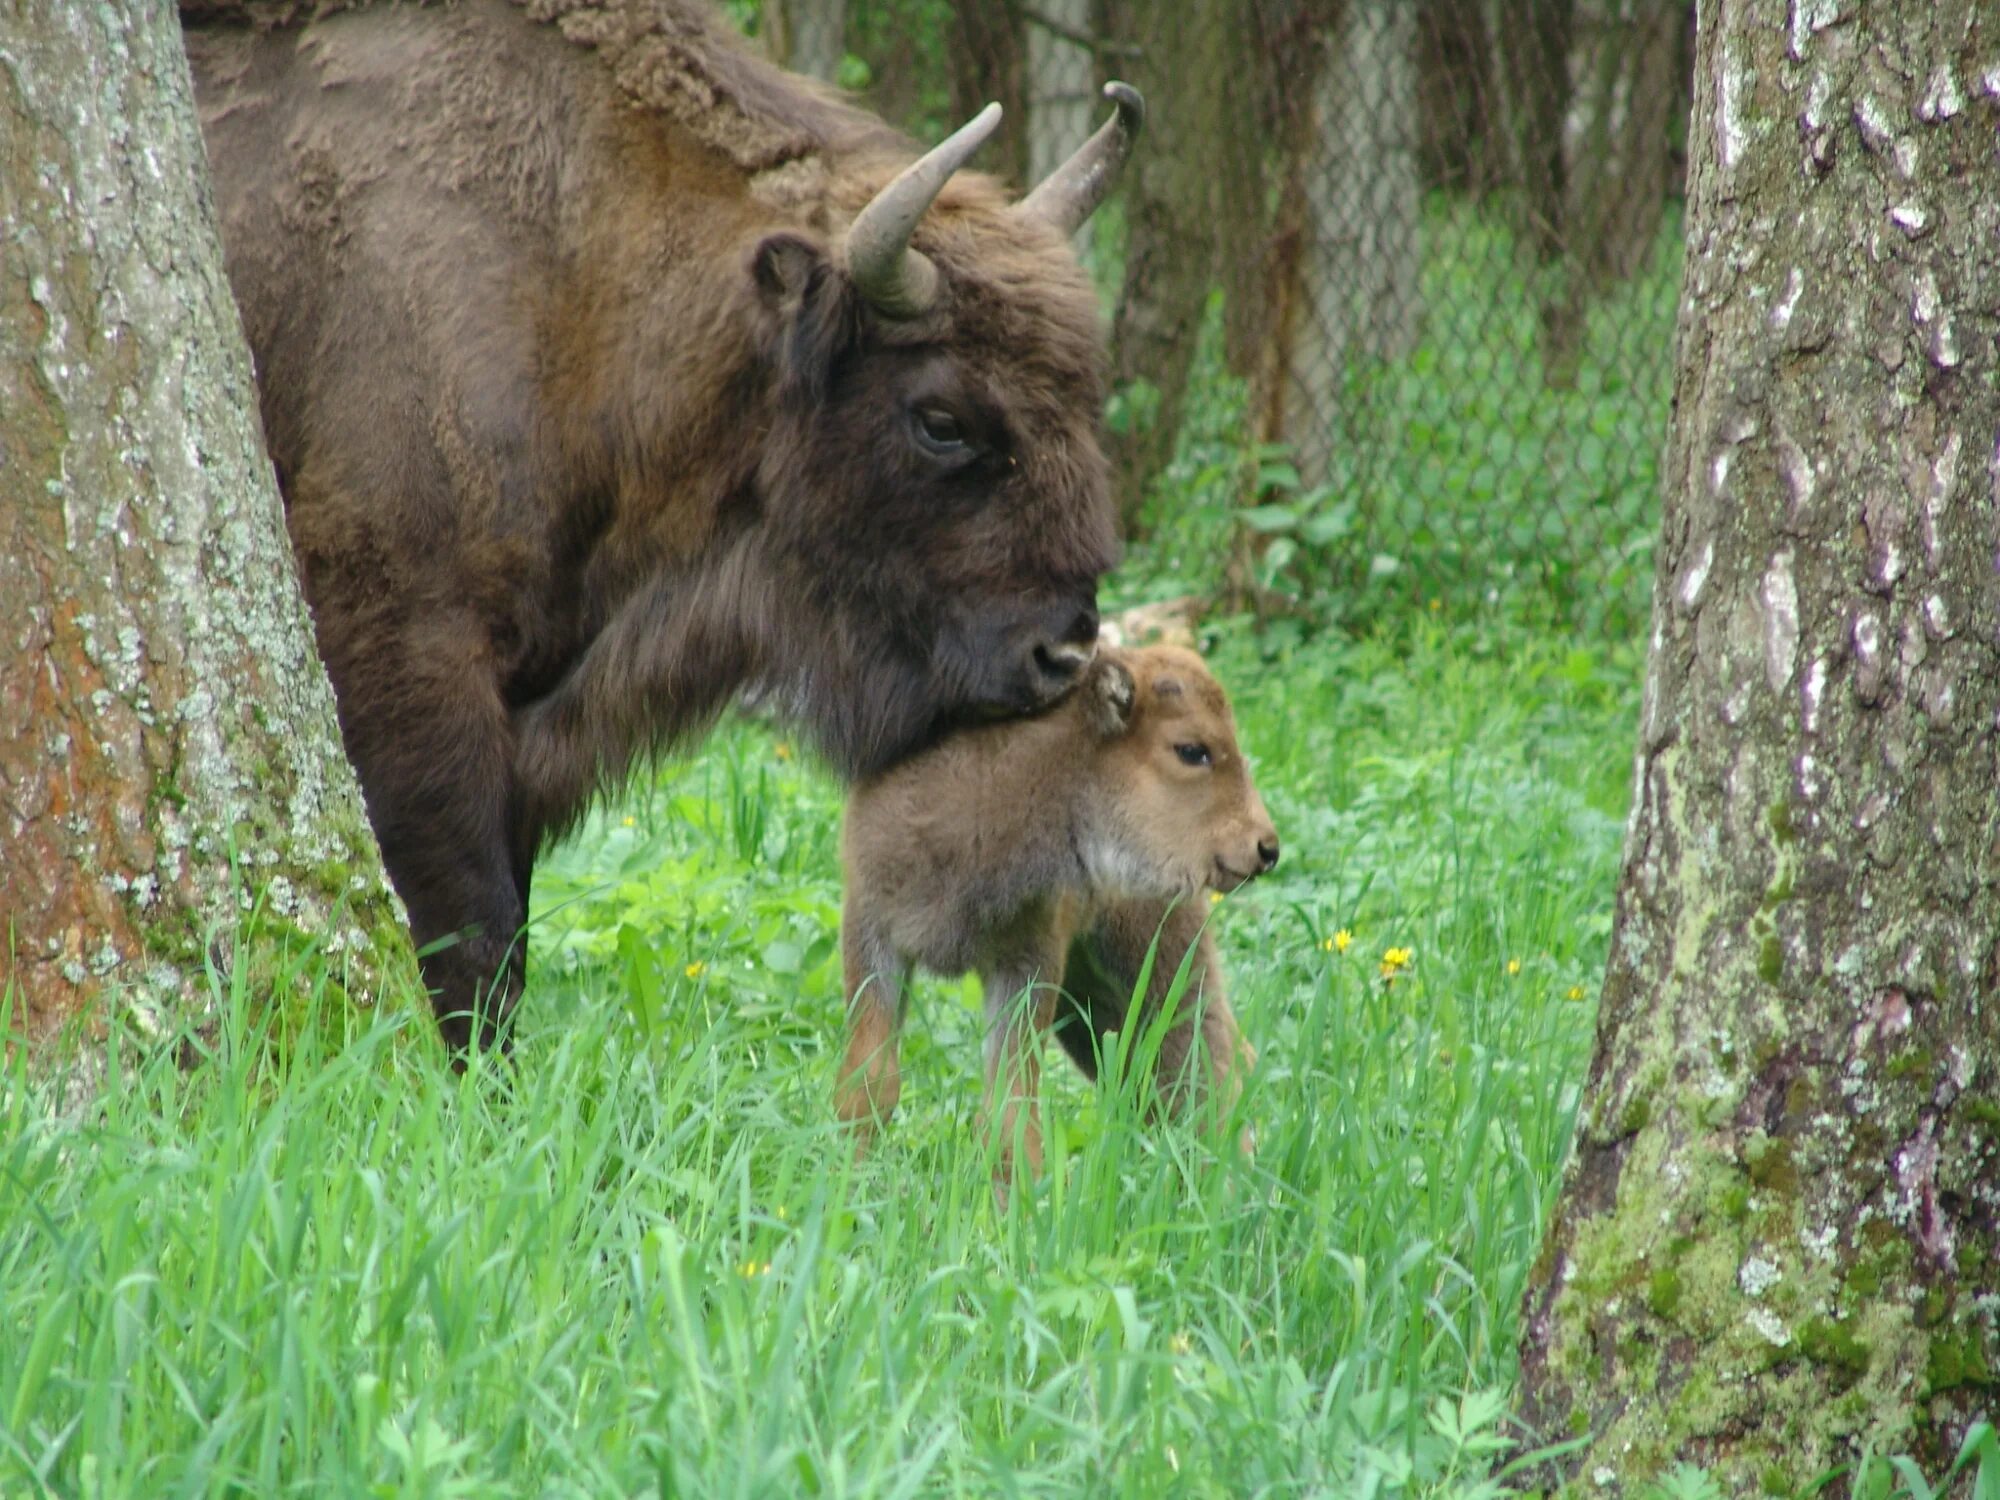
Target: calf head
point(1174, 806)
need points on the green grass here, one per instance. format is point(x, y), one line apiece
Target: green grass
point(640, 1260)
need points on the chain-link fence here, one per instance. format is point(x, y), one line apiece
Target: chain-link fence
point(1392, 281)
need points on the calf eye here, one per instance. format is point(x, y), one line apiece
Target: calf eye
point(1194, 755)
point(938, 430)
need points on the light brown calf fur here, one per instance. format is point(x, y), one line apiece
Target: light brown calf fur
point(1001, 847)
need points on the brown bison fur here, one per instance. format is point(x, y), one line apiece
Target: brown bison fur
point(585, 431)
point(1096, 826)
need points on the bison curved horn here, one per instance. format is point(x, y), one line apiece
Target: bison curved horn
point(1070, 194)
point(900, 281)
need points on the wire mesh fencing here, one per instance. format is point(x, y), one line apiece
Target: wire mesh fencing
point(1392, 283)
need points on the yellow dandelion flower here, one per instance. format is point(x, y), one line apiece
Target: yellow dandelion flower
point(695, 970)
point(1575, 992)
point(1436, 605)
point(747, 1269)
point(1397, 958)
point(628, 822)
point(1214, 897)
point(782, 750)
point(1341, 941)
point(1513, 966)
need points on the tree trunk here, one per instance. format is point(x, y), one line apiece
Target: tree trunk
point(1776, 1239)
point(1359, 222)
point(807, 36)
point(1531, 87)
point(1063, 102)
point(1617, 154)
point(1182, 193)
point(1460, 145)
point(168, 748)
point(1616, 142)
point(989, 64)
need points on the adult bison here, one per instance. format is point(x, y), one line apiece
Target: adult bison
point(610, 374)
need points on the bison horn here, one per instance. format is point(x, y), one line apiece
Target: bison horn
point(899, 281)
point(1070, 194)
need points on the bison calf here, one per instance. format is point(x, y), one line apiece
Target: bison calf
point(1092, 825)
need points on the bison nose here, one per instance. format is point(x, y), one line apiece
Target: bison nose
point(1060, 659)
point(1267, 852)
point(1059, 662)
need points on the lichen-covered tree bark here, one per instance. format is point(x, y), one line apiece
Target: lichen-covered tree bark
point(1776, 1239)
point(171, 777)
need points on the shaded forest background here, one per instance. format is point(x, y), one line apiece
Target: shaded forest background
point(1394, 279)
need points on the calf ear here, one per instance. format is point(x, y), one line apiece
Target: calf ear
point(1112, 696)
point(808, 311)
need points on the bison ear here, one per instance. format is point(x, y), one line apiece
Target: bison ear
point(1112, 696)
point(785, 266)
point(807, 310)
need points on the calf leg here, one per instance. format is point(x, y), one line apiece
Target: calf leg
point(1105, 963)
point(871, 1079)
point(1021, 990)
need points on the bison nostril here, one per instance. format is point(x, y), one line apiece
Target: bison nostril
point(1268, 853)
point(1083, 629)
point(1061, 661)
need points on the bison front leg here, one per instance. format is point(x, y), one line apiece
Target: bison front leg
point(871, 1079)
point(433, 748)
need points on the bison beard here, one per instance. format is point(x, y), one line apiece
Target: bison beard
point(611, 374)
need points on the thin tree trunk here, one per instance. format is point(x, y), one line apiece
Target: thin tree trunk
point(1358, 261)
point(168, 748)
point(1777, 1236)
point(1531, 86)
point(1616, 140)
point(1178, 208)
point(807, 36)
point(1625, 75)
point(1458, 115)
point(989, 64)
point(1061, 86)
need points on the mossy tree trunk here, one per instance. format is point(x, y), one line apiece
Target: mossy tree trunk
point(168, 748)
point(1776, 1239)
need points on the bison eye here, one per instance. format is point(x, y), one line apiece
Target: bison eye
point(939, 431)
point(1194, 755)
